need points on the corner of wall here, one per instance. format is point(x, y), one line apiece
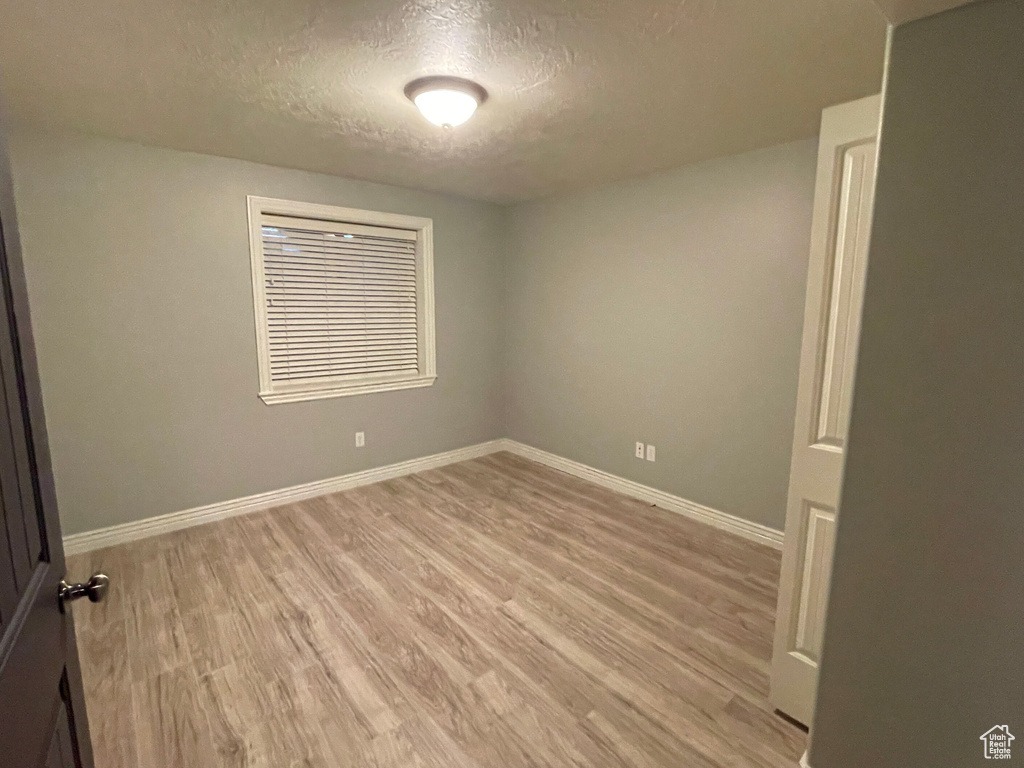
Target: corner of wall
point(508, 249)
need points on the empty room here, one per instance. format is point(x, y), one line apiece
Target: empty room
point(511, 383)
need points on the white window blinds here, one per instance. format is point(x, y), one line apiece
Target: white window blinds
point(343, 306)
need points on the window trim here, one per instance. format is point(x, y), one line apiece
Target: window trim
point(272, 394)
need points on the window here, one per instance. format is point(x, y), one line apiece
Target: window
point(344, 300)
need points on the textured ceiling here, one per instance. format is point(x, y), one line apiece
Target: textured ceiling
point(901, 11)
point(580, 92)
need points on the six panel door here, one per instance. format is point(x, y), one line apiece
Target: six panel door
point(844, 197)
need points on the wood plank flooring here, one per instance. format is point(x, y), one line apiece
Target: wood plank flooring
point(490, 614)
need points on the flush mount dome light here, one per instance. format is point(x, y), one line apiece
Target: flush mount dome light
point(446, 101)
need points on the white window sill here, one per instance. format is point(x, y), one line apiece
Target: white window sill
point(345, 390)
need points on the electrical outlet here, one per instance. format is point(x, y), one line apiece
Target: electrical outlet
point(639, 453)
point(360, 439)
point(650, 453)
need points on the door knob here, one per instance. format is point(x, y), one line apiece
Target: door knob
point(95, 589)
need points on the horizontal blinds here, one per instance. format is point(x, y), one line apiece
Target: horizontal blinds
point(340, 299)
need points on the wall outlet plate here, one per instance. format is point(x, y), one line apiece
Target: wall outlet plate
point(639, 453)
point(650, 453)
point(360, 439)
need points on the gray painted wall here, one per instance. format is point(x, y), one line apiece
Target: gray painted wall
point(668, 310)
point(924, 647)
point(139, 279)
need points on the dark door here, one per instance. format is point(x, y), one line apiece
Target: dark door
point(42, 712)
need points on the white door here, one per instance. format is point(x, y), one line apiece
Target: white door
point(843, 202)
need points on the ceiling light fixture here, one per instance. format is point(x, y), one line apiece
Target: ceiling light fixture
point(446, 101)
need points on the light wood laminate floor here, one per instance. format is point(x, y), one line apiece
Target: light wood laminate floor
point(490, 614)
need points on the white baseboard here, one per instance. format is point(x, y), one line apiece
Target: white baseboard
point(152, 526)
point(721, 520)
